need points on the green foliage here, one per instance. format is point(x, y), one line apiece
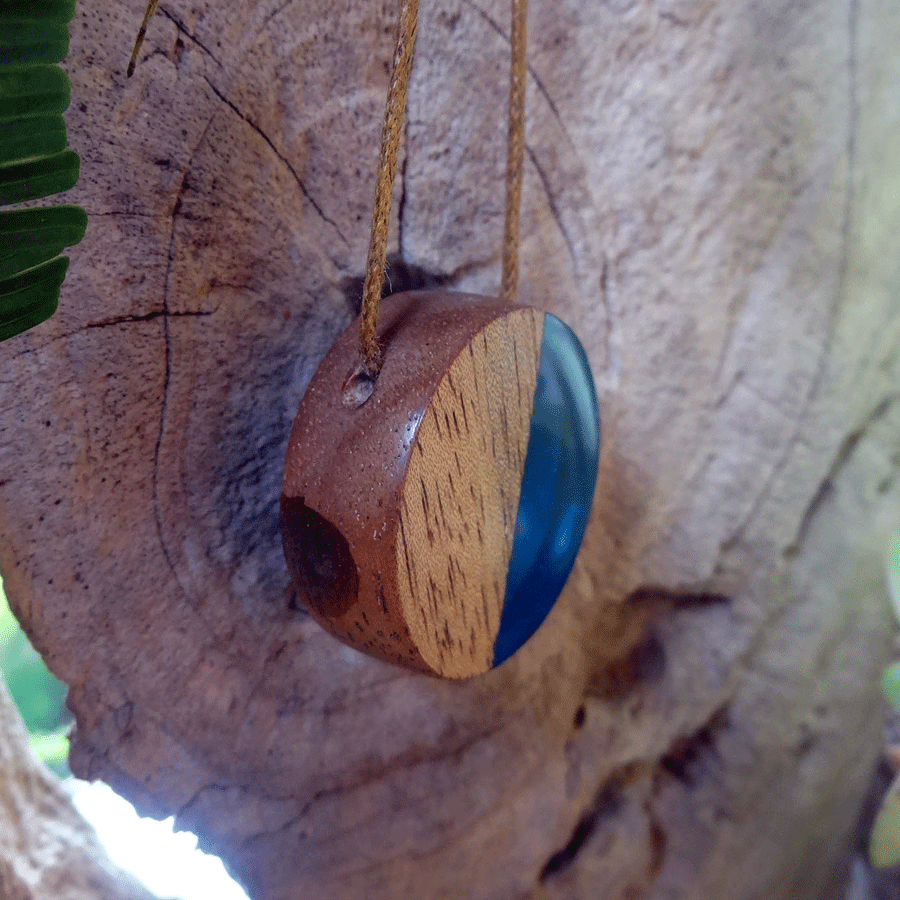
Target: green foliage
point(893, 571)
point(890, 684)
point(39, 696)
point(52, 749)
point(34, 236)
point(36, 178)
point(34, 92)
point(35, 31)
point(884, 844)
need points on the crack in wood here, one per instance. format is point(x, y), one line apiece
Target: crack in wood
point(146, 317)
point(683, 761)
point(605, 804)
point(554, 209)
point(686, 756)
point(832, 315)
point(167, 369)
point(843, 456)
point(182, 29)
point(411, 759)
point(640, 657)
point(113, 321)
point(284, 160)
point(277, 11)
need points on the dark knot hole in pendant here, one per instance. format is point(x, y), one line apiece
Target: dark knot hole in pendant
point(319, 559)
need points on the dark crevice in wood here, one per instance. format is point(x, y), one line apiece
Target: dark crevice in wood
point(167, 373)
point(677, 599)
point(401, 206)
point(182, 29)
point(277, 11)
point(606, 804)
point(641, 657)
point(400, 276)
point(843, 455)
point(645, 662)
point(685, 759)
point(580, 717)
point(146, 317)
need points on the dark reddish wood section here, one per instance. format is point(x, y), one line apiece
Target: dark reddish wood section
point(345, 467)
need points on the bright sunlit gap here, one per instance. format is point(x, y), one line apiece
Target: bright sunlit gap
point(167, 862)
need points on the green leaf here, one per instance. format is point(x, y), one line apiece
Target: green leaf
point(890, 684)
point(28, 299)
point(9, 626)
point(39, 696)
point(32, 91)
point(33, 42)
point(884, 843)
point(21, 139)
point(34, 163)
point(29, 237)
point(39, 177)
point(38, 10)
point(52, 749)
point(892, 562)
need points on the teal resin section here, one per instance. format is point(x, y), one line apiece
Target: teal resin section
point(557, 487)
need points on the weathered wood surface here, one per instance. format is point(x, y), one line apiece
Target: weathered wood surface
point(711, 203)
point(47, 851)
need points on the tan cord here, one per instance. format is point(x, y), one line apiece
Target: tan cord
point(391, 132)
point(394, 118)
point(142, 33)
point(515, 146)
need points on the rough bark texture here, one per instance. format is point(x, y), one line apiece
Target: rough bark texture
point(47, 851)
point(711, 202)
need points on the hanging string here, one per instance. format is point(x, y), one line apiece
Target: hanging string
point(515, 147)
point(394, 119)
point(391, 132)
point(142, 33)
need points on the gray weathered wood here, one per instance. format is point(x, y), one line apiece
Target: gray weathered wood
point(47, 851)
point(711, 202)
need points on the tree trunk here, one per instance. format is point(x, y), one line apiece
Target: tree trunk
point(711, 203)
point(47, 851)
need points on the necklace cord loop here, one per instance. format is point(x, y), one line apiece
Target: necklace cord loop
point(515, 146)
point(391, 133)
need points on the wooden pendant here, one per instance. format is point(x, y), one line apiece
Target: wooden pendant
point(435, 525)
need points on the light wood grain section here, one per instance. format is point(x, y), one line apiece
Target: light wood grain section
point(461, 496)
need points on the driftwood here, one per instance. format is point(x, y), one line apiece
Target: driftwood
point(47, 851)
point(710, 202)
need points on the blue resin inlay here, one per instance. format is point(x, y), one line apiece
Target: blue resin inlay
point(557, 487)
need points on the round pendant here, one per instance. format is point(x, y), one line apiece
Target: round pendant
point(435, 524)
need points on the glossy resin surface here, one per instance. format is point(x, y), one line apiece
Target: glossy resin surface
point(557, 487)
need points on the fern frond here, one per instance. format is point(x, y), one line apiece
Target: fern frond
point(34, 92)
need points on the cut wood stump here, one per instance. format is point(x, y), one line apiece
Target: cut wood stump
point(710, 202)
